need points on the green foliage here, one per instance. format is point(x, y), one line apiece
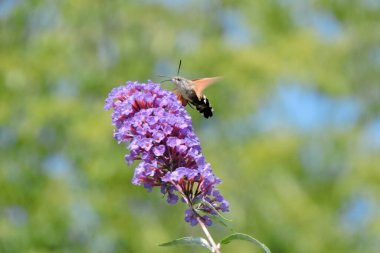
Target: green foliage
point(202, 242)
point(196, 241)
point(295, 134)
point(244, 237)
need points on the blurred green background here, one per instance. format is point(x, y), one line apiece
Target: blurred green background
point(295, 137)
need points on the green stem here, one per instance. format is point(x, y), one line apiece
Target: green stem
point(201, 223)
point(208, 235)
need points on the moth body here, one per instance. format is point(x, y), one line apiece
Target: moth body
point(191, 91)
point(188, 91)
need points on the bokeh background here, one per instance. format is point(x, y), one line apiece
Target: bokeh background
point(295, 137)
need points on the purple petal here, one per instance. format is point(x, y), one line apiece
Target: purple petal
point(174, 141)
point(159, 151)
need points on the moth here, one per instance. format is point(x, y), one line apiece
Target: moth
point(191, 92)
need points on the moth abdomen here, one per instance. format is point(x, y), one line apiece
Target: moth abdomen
point(204, 107)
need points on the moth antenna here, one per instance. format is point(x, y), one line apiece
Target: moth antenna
point(167, 80)
point(163, 76)
point(179, 67)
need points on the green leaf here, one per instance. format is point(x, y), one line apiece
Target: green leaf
point(220, 221)
point(198, 241)
point(213, 208)
point(244, 237)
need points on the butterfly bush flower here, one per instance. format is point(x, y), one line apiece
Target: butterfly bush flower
point(159, 134)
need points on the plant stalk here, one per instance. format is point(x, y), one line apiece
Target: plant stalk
point(208, 235)
point(203, 226)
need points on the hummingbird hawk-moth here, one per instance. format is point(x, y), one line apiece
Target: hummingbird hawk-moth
point(191, 92)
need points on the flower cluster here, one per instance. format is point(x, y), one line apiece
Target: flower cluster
point(159, 133)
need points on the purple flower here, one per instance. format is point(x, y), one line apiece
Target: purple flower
point(158, 132)
point(191, 217)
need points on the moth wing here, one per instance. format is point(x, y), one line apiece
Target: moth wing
point(202, 83)
point(180, 98)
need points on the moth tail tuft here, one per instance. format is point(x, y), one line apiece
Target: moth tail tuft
point(204, 107)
